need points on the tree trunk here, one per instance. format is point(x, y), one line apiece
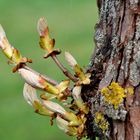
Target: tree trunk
point(116, 58)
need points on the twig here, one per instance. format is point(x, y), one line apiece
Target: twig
point(64, 70)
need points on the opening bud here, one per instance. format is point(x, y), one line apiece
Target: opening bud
point(83, 78)
point(64, 126)
point(76, 93)
point(55, 107)
point(30, 96)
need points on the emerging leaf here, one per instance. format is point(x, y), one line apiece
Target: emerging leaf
point(64, 126)
point(70, 59)
point(46, 43)
point(76, 93)
point(31, 78)
point(83, 78)
point(42, 27)
point(29, 94)
point(4, 44)
point(63, 85)
point(55, 107)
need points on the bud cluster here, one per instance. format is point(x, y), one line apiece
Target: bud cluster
point(53, 102)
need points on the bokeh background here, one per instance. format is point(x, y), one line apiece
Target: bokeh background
point(71, 23)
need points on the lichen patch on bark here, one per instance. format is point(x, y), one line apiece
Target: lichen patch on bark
point(116, 58)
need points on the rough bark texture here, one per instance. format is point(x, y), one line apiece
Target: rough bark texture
point(116, 58)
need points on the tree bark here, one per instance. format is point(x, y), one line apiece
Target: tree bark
point(116, 58)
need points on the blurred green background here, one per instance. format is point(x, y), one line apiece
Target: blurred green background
point(71, 23)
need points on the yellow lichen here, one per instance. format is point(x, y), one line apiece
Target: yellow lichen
point(114, 94)
point(101, 121)
point(129, 90)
